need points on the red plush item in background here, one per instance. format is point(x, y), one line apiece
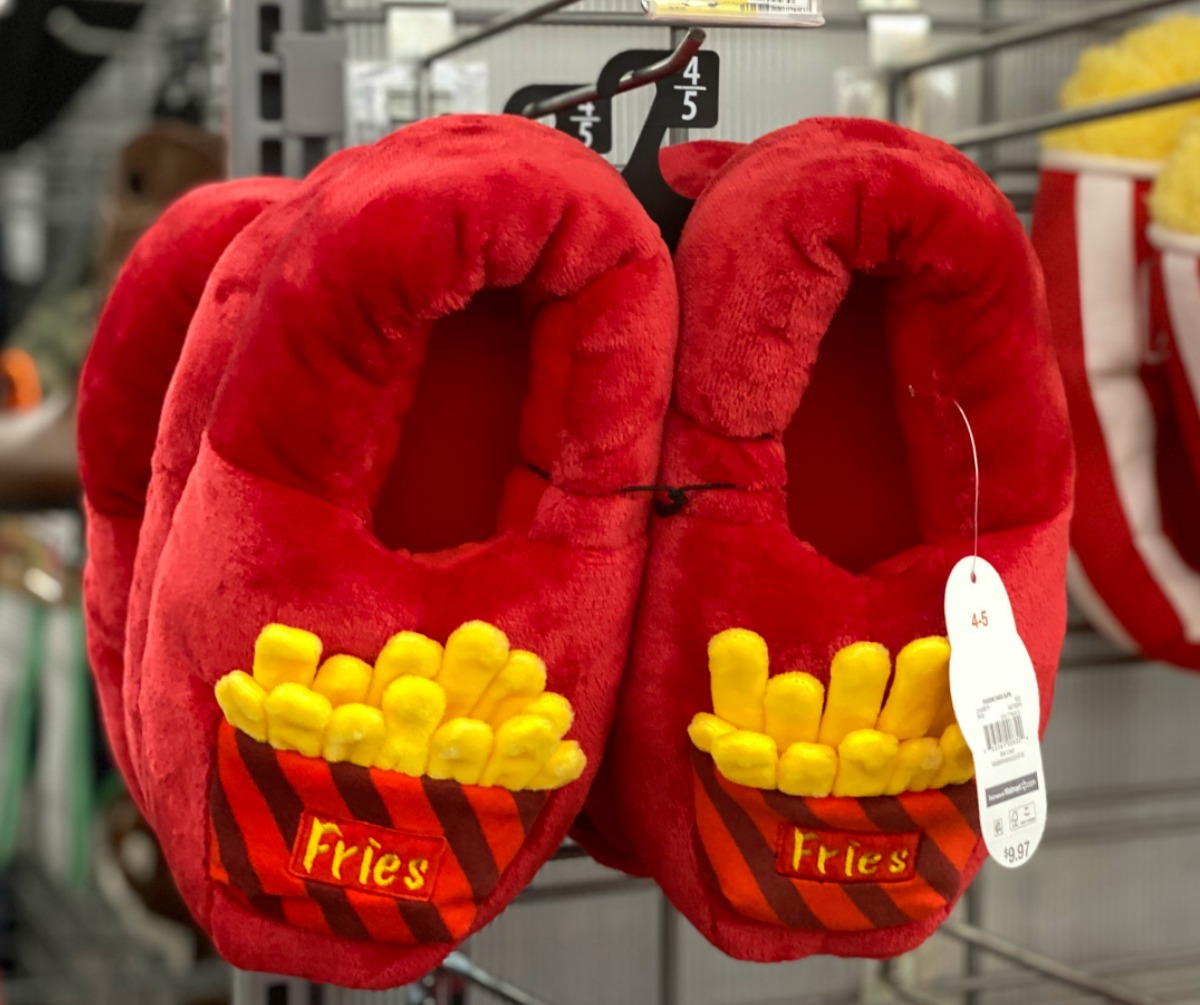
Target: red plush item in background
point(844, 285)
point(132, 359)
point(1135, 563)
point(435, 368)
point(1175, 312)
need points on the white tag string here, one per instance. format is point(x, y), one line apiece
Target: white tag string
point(975, 517)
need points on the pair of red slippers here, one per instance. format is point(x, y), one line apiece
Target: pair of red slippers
point(430, 493)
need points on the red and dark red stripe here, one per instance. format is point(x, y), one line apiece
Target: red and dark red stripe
point(529, 805)
point(268, 777)
point(966, 800)
point(286, 808)
point(933, 866)
point(870, 898)
point(735, 881)
point(365, 803)
point(464, 834)
point(778, 892)
point(234, 858)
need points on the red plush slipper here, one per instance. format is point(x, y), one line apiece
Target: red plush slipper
point(405, 522)
point(845, 285)
point(133, 356)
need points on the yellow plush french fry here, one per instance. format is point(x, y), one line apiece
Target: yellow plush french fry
point(522, 747)
point(343, 680)
point(747, 758)
point(921, 684)
point(943, 718)
point(917, 764)
point(296, 719)
point(554, 708)
point(413, 707)
point(355, 733)
point(241, 699)
point(792, 707)
point(957, 765)
point(807, 769)
point(858, 676)
point(519, 681)
point(738, 664)
point(460, 749)
point(475, 653)
point(866, 760)
point(562, 767)
point(705, 728)
point(285, 655)
point(405, 654)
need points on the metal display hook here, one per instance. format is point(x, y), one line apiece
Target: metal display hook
point(666, 67)
point(994, 132)
point(897, 75)
point(1025, 959)
point(497, 26)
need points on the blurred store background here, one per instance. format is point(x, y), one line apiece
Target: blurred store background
point(110, 109)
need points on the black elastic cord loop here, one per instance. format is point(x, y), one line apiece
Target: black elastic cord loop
point(676, 495)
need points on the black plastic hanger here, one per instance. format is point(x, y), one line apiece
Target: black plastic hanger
point(625, 72)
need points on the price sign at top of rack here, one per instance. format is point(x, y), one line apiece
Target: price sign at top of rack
point(785, 13)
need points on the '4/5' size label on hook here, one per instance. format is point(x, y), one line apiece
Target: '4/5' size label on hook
point(690, 98)
point(995, 694)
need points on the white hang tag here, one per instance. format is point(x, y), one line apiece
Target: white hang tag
point(995, 694)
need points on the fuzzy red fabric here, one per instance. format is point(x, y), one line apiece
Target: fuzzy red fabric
point(184, 413)
point(843, 283)
point(369, 340)
point(1135, 542)
point(687, 168)
point(137, 345)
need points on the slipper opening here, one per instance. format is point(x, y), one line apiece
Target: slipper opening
point(868, 284)
point(847, 438)
point(461, 433)
point(458, 342)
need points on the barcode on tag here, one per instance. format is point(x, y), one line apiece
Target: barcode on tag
point(1005, 732)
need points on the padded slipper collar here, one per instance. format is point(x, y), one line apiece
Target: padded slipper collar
point(351, 286)
point(765, 262)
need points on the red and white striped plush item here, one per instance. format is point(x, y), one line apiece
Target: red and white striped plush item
point(1174, 233)
point(1135, 565)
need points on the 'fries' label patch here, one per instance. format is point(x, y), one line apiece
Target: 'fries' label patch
point(846, 856)
point(364, 857)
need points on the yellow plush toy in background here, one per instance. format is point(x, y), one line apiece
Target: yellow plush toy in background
point(1159, 55)
point(1175, 197)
